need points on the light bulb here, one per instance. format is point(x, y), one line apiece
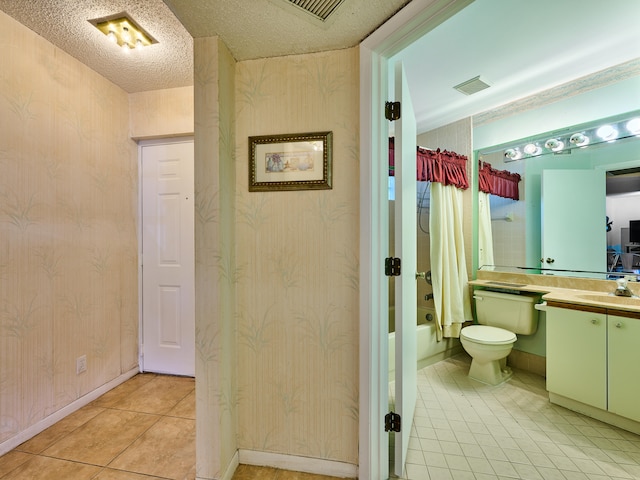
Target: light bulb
point(513, 154)
point(112, 36)
point(532, 149)
point(139, 44)
point(554, 144)
point(126, 36)
point(125, 47)
point(633, 126)
point(579, 139)
point(607, 132)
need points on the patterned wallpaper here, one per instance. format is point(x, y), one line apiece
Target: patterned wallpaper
point(157, 113)
point(68, 240)
point(297, 265)
point(216, 273)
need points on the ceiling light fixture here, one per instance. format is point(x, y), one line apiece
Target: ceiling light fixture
point(122, 30)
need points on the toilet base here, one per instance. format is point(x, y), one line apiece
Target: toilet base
point(493, 372)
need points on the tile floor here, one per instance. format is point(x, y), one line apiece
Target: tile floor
point(145, 430)
point(466, 430)
point(141, 430)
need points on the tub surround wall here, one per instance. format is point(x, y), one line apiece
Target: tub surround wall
point(68, 203)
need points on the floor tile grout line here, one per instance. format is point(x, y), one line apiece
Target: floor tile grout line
point(153, 477)
point(101, 410)
point(512, 399)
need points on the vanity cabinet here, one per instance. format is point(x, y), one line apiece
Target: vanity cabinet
point(623, 364)
point(593, 357)
point(577, 355)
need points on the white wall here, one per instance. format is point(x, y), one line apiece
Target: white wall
point(621, 209)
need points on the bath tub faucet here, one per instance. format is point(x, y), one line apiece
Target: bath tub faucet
point(428, 296)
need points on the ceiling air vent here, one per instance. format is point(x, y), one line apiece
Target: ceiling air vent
point(318, 8)
point(472, 86)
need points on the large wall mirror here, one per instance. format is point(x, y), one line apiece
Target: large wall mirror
point(578, 206)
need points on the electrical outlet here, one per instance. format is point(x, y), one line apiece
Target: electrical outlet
point(81, 364)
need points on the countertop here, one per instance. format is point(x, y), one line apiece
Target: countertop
point(568, 296)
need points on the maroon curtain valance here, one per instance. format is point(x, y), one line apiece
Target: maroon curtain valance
point(498, 182)
point(448, 168)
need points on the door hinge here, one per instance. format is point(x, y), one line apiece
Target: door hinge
point(392, 267)
point(392, 422)
point(392, 111)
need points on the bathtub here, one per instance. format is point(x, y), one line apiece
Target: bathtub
point(430, 350)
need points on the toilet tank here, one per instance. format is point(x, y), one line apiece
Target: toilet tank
point(512, 311)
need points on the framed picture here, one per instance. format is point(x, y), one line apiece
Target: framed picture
point(300, 161)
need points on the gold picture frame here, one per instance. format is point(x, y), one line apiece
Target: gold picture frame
point(299, 161)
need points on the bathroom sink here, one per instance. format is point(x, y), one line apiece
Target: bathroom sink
point(611, 299)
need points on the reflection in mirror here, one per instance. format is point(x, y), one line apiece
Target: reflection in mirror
point(568, 220)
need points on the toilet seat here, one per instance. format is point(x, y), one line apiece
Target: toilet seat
point(487, 335)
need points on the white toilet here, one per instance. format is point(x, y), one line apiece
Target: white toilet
point(500, 316)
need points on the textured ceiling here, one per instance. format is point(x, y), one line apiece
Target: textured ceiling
point(520, 47)
point(64, 23)
point(250, 28)
point(267, 28)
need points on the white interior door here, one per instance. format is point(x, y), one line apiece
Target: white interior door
point(168, 259)
point(406, 249)
point(574, 234)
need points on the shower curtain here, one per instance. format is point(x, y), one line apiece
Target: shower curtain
point(485, 235)
point(447, 172)
point(495, 182)
point(448, 263)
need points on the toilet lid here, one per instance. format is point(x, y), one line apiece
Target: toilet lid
point(488, 335)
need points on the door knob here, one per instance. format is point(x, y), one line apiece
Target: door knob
point(550, 260)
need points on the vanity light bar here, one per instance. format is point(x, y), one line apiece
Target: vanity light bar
point(578, 137)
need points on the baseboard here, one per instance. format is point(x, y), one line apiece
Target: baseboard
point(55, 417)
point(298, 464)
point(231, 469)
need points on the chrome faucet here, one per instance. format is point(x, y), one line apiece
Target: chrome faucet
point(622, 290)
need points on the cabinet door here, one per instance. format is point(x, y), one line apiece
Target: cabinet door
point(624, 361)
point(576, 355)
